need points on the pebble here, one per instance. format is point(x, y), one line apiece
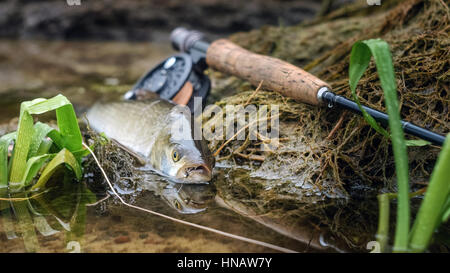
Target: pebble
point(122, 239)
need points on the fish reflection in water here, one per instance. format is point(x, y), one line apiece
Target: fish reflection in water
point(184, 198)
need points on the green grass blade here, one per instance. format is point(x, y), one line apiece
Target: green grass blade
point(5, 213)
point(40, 106)
point(359, 61)
point(41, 130)
point(66, 118)
point(34, 164)
point(68, 127)
point(446, 211)
point(62, 158)
point(430, 212)
point(383, 221)
point(5, 141)
point(45, 146)
point(57, 138)
point(29, 138)
point(22, 145)
point(417, 142)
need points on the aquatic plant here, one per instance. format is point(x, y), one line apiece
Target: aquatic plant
point(436, 206)
point(30, 156)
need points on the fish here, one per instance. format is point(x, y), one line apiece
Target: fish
point(158, 132)
point(183, 198)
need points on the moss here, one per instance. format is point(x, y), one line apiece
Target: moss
point(333, 152)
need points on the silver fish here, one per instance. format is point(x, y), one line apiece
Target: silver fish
point(159, 132)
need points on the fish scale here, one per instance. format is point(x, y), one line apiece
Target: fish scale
point(127, 122)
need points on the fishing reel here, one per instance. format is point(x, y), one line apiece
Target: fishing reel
point(180, 78)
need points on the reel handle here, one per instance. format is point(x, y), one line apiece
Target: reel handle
point(277, 75)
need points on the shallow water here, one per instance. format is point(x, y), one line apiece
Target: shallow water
point(69, 218)
point(81, 216)
point(112, 227)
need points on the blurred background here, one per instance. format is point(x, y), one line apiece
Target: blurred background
point(151, 20)
point(89, 49)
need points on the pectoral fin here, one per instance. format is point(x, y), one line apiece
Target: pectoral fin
point(138, 158)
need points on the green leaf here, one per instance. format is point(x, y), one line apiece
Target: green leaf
point(40, 131)
point(446, 215)
point(416, 142)
point(29, 138)
point(34, 164)
point(45, 146)
point(359, 61)
point(57, 138)
point(5, 141)
point(431, 210)
point(67, 121)
point(382, 235)
point(40, 105)
point(81, 153)
point(61, 159)
point(446, 211)
point(68, 127)
point(23, 141)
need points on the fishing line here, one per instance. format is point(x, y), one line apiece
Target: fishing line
point(223, 233)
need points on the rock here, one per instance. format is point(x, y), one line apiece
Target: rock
point(122, 239)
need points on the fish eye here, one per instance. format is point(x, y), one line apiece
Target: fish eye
point(175, 156)
point(177, 205)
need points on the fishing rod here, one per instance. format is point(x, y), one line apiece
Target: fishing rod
point(172, 81)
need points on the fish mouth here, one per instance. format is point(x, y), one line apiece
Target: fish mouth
point(195, 173)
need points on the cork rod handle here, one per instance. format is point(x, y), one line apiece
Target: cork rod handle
point(276, 74)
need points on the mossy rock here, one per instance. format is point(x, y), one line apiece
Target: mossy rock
point(331, 150)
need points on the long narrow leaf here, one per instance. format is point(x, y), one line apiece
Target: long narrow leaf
point(359, 61)
point(23, 141)
point(5, 141)
point(7, 220)
point(68, 127)
point(40, 131)
point(62, 158)
point(446, 210)
point(430, 212)
point(382, 235)
point(66, 118)
point(34, 164)
point(45, 146)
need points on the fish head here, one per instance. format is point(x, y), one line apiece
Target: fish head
point(180, 151)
